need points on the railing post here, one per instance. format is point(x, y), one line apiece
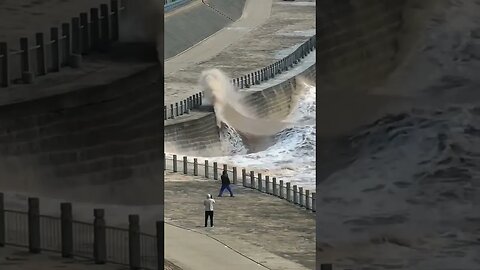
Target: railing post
point(67, 229)
point(34, 225)
point(115, 19)
point(234, 169)
point(252, 179)
point(295, 194)
point(105, 34)
point(282, 193)
point(300, 192)
point(185, 165)
point(55, 49)
point(174, 163)
point(171, 111)
point(314, 204)
point(99, 237)
point(289, 196)
point(27, 75)
point(215, 171)
point(275, 188)
point(195, 166)
point(2, 220)
point(260, 184)
point(267, 185)
point(67, 48)
point(307, 200)
point(244, 177)
point(160, 248)
point(206, 169)
point(176, 109)
point(5, 66)
point(95, 35)
point(134, 241)
point(85, 36)
point(225, 167)
point(41, 60)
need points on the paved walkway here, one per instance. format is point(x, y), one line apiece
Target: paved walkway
point(13, 258)
point(263, 228)
point(268, 31)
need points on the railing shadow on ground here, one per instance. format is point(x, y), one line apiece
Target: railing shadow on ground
point(194, 101)
point(90, 240)
point(83, 34)
point(294, 194)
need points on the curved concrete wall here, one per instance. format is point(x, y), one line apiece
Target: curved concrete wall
point(357, 42)
point(89, 137)
point(276, 102)
point(186, 28)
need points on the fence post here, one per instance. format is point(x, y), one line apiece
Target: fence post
point(4, 67)
point(95, 33)
point(105, 34)
point(259, 185)
point(171, 111)
point(55, 47)
point(2, 220)
point(66, 36)
point(34, 225)
point(160, 247)
point(300, 192)
point(195, 166)
point(275, 191)
point(99, 237)
point(225, 167)
point(67, 229)
point(252, 179)
point(41, 61)
point(295, 194)
point(325, 266)
point(244, 177)
point(234, 169)
point(134, 241)
point(307, 199)
point(176, 109)
point(27, 75)
point(85, 36)
point(282, 194)
point(185, 165)
point(174, 163)
point(115, 19)
point(289, 197)
point(215, 171)
point(206, 169)
point(267, 185)
point(314, 204)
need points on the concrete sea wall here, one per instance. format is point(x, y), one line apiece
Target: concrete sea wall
point(94, 136)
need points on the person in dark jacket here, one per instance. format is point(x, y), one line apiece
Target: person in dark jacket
point(225, 184)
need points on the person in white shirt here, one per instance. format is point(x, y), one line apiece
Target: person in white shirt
point(208, 203)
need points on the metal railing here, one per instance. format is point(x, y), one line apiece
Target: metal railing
point(90, 240)
point(63, 47)
point(247, 178)
point(254, 78)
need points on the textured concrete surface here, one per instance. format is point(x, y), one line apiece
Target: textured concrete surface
point(289, 25)
point(13, 258)
point(266, 229)
point(197, 21)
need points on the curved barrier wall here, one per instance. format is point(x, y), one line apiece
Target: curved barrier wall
point(92, 136)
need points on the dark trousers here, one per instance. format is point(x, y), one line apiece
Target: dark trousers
point(209, 214)
point(227, 187)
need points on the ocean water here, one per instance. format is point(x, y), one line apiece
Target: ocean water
point(290, 158)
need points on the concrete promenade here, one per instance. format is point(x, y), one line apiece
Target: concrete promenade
point(265, 229)
point(263, 35)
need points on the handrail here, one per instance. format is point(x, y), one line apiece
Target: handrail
point(194, 101)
